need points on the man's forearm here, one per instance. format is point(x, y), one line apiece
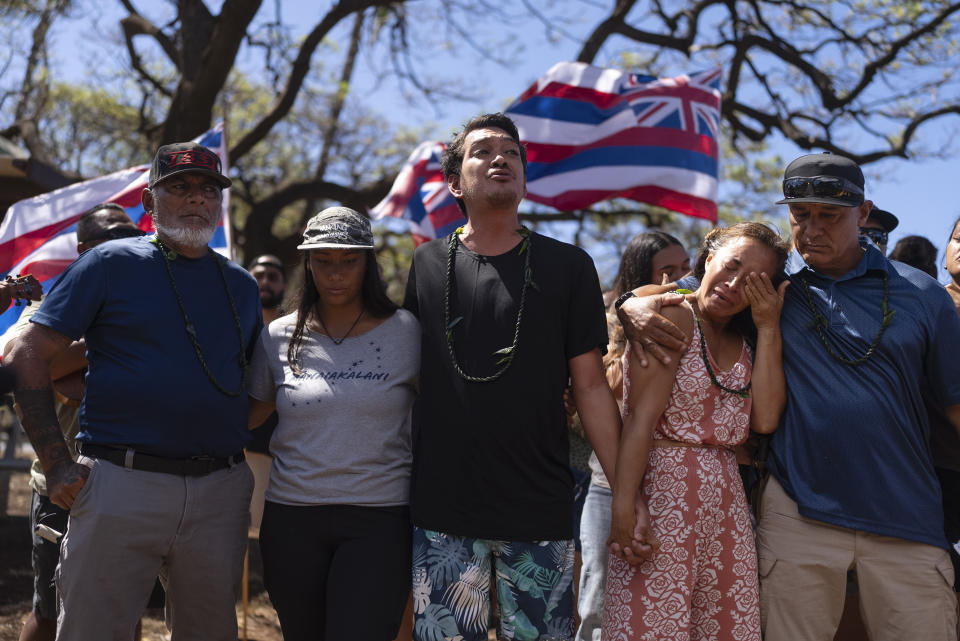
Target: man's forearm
point(39, 419)
point(600, 416)
point(30, 358)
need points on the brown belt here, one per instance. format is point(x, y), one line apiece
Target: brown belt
point(663, 442)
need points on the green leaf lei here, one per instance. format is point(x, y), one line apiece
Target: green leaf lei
point(507, 354)
point(170, 255)
point(820, 324)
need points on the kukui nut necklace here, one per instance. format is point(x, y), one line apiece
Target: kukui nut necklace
point(169, 256)
point(506, 354)
point(820, 324)
point(743, 392)
point(337, 341)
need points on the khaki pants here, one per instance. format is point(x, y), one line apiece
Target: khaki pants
point(128, 526)
point(905, 587)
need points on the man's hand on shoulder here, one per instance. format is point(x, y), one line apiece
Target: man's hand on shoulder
point(647, 329)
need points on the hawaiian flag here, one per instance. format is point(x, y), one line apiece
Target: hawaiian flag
point(419, 194)
point(591, 134)
point(39, 235)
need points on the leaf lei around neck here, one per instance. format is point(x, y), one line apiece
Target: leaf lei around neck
point(820, 324)
point(169, 255)
point(506, 354)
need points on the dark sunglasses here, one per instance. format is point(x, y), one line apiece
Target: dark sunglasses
point(822, 187)
point(119, 232)
point(876, 235)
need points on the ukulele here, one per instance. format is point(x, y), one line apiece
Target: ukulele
point(22, 288)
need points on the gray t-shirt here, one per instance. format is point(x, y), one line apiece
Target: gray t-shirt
point(343, 435)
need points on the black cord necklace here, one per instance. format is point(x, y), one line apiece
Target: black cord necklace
point(743, 392)
point(337, 341)
point(506, 354)
point(820, 324)
point(170, 255)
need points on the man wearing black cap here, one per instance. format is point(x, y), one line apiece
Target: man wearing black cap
point(160, 485)
point(852, 486)
point(97, 225)
point(878, 227)
point(272, 282)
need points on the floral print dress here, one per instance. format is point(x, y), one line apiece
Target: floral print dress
point(702, 583)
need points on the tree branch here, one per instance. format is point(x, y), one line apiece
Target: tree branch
point(301, 66)
point(134, 26)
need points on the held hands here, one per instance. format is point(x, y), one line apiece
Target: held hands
point(631, 536)
point(765, 301)
point(64, 482)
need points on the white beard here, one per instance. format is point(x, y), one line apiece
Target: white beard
point(186, 236)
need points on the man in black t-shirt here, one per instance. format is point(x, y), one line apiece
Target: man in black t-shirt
point(508, 316)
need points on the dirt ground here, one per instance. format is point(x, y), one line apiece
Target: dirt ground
point(16, 577)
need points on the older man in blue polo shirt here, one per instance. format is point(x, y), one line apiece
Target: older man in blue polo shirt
point(852, 485)
point(160, 485)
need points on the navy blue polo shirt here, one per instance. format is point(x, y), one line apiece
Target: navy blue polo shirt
point(146, 387)
point(853, 445)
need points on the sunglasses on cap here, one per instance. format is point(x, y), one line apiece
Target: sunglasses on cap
point(122, 231)
point(822, 187)
point(876, 235)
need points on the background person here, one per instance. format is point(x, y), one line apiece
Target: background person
point(650, 257)
point(271, 279)
point(878, 226)
point(681, 422)
point(341, 372)
point(917, 252)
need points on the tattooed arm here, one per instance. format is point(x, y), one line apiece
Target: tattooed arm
point(30, 358)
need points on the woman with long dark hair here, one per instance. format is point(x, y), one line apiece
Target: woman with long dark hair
point(341, 372)
point(699, 577)
point(650, 257)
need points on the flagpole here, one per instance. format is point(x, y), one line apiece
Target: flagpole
point(225, 213)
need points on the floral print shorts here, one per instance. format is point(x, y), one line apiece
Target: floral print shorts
point(452, 579)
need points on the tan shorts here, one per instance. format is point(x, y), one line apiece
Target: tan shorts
point(905, 587)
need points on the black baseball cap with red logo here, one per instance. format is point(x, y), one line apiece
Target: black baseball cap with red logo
point(183, 157)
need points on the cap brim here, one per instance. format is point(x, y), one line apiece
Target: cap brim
point(222, 180)
point(333, 246)
point(887, 220)
point(818, 200)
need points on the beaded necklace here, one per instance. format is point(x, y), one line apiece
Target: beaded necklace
point(820, 324)
point(170, 255)
point(743, 392)
point(506, 354)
